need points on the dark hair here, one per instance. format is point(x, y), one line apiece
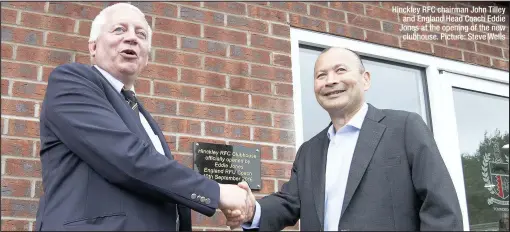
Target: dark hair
point(361, 66)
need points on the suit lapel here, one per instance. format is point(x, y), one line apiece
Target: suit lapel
point(319, 177)
point(369, 137)
point(156, 130)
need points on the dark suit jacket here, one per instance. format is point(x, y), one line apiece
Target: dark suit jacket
point(100, 170)
point(397, 181)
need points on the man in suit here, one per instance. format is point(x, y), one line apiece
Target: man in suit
point(370, 169)
point(105, 162)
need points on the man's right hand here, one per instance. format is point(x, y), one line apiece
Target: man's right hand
point(234, 219)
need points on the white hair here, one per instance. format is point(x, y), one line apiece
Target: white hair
point(100, 20)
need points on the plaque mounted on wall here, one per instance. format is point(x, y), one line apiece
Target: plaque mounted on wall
point(228, 164)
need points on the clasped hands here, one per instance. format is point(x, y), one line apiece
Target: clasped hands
point(237, 203)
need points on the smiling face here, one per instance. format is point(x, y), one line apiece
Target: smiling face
point(340, 81)
point(122, 48)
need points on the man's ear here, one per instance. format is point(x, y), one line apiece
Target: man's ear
point(92, 48)
point(366, 80)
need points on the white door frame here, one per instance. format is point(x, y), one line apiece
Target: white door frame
point(437, 90)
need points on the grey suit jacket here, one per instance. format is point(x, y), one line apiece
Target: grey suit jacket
point(397, 181)
point(100, 170)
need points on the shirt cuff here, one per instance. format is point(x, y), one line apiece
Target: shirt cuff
point(256, 219)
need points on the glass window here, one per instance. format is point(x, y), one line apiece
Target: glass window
point(394, 86)
point(482, 126)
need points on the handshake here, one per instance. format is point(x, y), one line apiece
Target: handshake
point(237, 203)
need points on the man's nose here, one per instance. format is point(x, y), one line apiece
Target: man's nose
point(331, 79)
point(131, 37)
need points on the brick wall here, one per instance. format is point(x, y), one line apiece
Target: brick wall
point(219, 72)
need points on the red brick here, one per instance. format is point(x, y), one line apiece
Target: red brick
point(327, 14)
point(177, 91)
point(143, 86)
point(227, 7)
point(227, 131)
point(5, 87)
point(186, 160)
point(467, 45)
point(19, 70)
point(15, 187)
point(284, 121)
point(21, 35)
point(500, 43)
point(247, 24)
point(226, 66)
point(272, 44)
point(185, 142)
point(43, 56)
point(489, 50)
point(346, 30)
point(159, 106)
point(218, 220)
point(474, 58)
point(272, 104)
point(447, 52)
point(160, 72)
point(266, 152)
point(23, 168)
point(273, 135)
point(248, 54)
point(224, 35)
point(280, 30)
point(18, 107)
point(382, 38)
point(7, 51)
point(177, 27)
point(365, 22)
point(30, 6)
point(9, 16)
point(505, 53)
point(226, 97)
point(267, 14)
point(354, 7)
point(282, 60)
point(203, 78)
point(178, 125)
point(267, 187)
point(283, 89)
point(297, 7)
point(164, 40)
point(157, 8)
point(500, 64)
point(74, 43)
point(201, 16)
point(249, 117)
point(83, 59)
point(39, 189)
point(202, 111)
point(172, 142)
point(47, 22)
point(203, 46)
point(73, 10)
point(24, 128)
point(19, 208)
point(29, 90)
point(178, 58)
point(46, 73)
point(15, 225)
point(417, 46)
point(271, 73)
point(286, 153)
point(197, 4)
point(307, 23)
point(250, 85)
point(276, 170)
point(84, 27)
point(37, 148)
point(378, 12)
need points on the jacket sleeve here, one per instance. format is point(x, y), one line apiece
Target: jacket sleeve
point(78, 112)
point(440, 208)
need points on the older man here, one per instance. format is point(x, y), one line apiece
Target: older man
point(370, 169)
point(105, 162)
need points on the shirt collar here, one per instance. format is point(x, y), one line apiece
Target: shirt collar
point(355, 122)
point(118, 85)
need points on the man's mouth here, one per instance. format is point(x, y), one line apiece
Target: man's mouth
point(332, 93)
point(129, 53)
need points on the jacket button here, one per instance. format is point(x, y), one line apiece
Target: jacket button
point(193, 196)
point(202, 199)
point(208, 201)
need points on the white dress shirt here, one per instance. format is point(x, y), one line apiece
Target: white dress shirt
point(339, 157)
point(118, 85)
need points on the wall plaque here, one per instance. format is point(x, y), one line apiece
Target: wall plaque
point(228, 164)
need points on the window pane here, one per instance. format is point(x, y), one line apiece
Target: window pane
point(394, 86)
point(482, 125)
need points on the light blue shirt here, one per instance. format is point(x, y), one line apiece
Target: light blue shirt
point(339, 157)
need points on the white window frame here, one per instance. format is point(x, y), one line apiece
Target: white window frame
point(442, 115)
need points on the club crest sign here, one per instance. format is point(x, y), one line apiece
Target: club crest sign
point(495, 176)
